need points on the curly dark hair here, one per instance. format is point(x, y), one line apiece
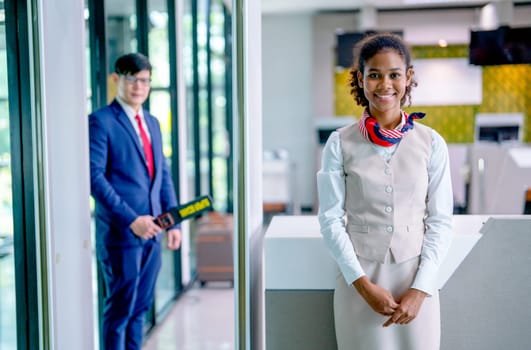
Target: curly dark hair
point(367, 48)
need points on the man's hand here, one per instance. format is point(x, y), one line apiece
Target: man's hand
point(378, 298)
point(144, 227)
point(409, 307)
point(174, 238)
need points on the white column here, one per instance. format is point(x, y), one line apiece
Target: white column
point(183, 140)
point(66, 172)
point(247, 145)
point(367, 18)
point(496, 14)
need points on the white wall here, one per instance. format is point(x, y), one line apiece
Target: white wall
point(66, 173)
point(427, 27)
point(287, 95)
point(324, 43)
point(522, 16)
point(298, 66)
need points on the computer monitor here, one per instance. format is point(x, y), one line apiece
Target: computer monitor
point(514, 180)
point(499, 127)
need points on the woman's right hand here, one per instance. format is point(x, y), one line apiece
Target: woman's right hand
point(378, 298)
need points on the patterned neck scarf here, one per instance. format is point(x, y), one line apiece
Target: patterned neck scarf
point(370, 129)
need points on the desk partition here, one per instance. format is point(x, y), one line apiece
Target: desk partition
point(484, 281)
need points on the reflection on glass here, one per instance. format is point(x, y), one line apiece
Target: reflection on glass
point(188, 37)
point(121, 30)
point(8, 331)
point(160, 107)
point(221, 139)
point(159, 45)
point(202, 67)
point(188, 64)
point(92, 226)
point(165, 288)
point(87, 56)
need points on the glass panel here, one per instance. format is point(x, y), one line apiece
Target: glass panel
point(189, 81)
point(202, 14)
point(165, 289)
point(8, 331)
point(221, 139)
point(158, 43)
point(188, 66)
point(121, 34)
point(87, 56)
point(159, 106)
point(92, 226)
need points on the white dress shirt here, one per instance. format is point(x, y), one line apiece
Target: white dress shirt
point(131, 114)
point(438, 235)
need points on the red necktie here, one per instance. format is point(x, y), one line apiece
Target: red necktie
point(148, 151)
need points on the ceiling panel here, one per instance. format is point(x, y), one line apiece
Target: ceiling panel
point(294, 6)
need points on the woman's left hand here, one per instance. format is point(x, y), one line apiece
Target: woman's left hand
point(410, 303)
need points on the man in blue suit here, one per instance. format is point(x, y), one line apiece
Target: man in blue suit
point(131, 184)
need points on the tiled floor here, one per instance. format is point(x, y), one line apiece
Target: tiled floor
point(201, 319)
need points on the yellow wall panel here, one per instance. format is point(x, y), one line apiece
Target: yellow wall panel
point(506, 88)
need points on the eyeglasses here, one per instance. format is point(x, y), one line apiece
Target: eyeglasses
point(131, 79)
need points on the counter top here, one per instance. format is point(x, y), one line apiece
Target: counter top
point(296, 256)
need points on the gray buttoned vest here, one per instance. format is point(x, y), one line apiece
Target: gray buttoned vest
point(386, 202)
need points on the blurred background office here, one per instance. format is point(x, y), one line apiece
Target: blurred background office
point(474, 58)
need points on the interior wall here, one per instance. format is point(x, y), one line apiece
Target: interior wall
point(503, 89)
point(522, 16)
point(287, 95)
point(297, 43)
point(426, 27)
point(324, 27)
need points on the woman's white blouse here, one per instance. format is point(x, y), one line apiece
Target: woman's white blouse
point(438, 236)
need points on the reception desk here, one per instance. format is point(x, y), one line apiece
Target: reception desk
point(300, 278)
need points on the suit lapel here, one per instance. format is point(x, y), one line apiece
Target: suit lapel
point(126, 123)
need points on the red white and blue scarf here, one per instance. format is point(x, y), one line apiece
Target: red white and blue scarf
point(370, 129)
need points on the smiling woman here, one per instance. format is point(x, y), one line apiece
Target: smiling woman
point(390, 241)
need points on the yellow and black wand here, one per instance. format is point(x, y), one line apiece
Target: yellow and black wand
point(183, 212)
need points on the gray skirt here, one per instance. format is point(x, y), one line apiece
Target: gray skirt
point(358, 327)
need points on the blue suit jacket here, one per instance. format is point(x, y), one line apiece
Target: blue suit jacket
point(119, 178)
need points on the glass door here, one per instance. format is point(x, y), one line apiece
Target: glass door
point(8, 324)
point(158, 42)
point(121, 25)
point(219, 63)
point(191, 78)
point(118, 27)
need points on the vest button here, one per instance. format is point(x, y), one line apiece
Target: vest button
point(389, 229)
point(388, 209)
point(387, 171)
point(388, 189)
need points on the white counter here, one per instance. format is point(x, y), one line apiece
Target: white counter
point(296, 257)
point(488, 263)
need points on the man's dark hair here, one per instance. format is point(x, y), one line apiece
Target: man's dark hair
point(132, 63)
